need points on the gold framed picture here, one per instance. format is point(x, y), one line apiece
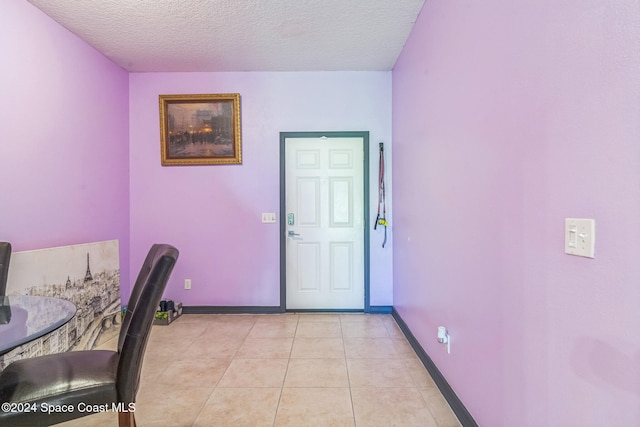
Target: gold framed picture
point(200, 129)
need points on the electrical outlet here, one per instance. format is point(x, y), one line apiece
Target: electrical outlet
point(187, 283)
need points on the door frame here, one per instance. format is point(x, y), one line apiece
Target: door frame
point(283, 220)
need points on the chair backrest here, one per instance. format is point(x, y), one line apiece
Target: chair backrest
point(5, 256)
point(136, 291)
point(136, 334)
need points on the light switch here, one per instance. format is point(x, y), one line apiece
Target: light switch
point(580, 237)
point(268, 217)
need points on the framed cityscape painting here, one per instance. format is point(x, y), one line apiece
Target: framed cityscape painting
point(200, 129)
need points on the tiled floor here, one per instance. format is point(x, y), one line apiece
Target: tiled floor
point(299, 370)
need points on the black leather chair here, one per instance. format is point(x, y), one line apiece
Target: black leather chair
point(143, 274)
point(5, 256)
point(82, 379)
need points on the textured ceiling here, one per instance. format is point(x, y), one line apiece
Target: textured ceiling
point(241, 35)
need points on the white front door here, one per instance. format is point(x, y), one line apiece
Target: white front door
point(325, 223)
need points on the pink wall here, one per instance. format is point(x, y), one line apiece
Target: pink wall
point(213, 213)
point(63, 158)
point(507, 118)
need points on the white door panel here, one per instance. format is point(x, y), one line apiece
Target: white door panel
point(324, 192)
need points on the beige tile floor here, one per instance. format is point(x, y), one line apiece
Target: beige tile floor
point(299, 370)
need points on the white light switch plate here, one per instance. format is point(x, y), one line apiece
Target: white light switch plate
point(580, 237)
point(268, 217)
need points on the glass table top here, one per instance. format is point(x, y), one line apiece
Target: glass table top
point(24, 318)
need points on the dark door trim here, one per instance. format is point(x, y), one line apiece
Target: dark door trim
point(283, 220)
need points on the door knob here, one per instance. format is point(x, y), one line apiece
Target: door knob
point(291, 233)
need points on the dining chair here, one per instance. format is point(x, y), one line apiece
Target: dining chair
point(51, 389)
point(5, 257)
point(143, 274)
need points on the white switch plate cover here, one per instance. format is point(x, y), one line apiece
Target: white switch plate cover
point(268, 217)
point(580, 237)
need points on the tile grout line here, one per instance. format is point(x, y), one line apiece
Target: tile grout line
point(275, 415)
point(346, 366)
point(215, 387)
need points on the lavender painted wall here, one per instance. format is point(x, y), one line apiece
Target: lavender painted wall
point(213, 213)
point(507, 118)
point(64, 175)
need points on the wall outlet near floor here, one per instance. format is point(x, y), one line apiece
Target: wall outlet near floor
point(187, 283)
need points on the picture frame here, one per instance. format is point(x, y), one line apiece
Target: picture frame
point(200, 129)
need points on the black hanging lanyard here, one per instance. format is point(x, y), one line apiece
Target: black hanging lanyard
point(381, 219)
